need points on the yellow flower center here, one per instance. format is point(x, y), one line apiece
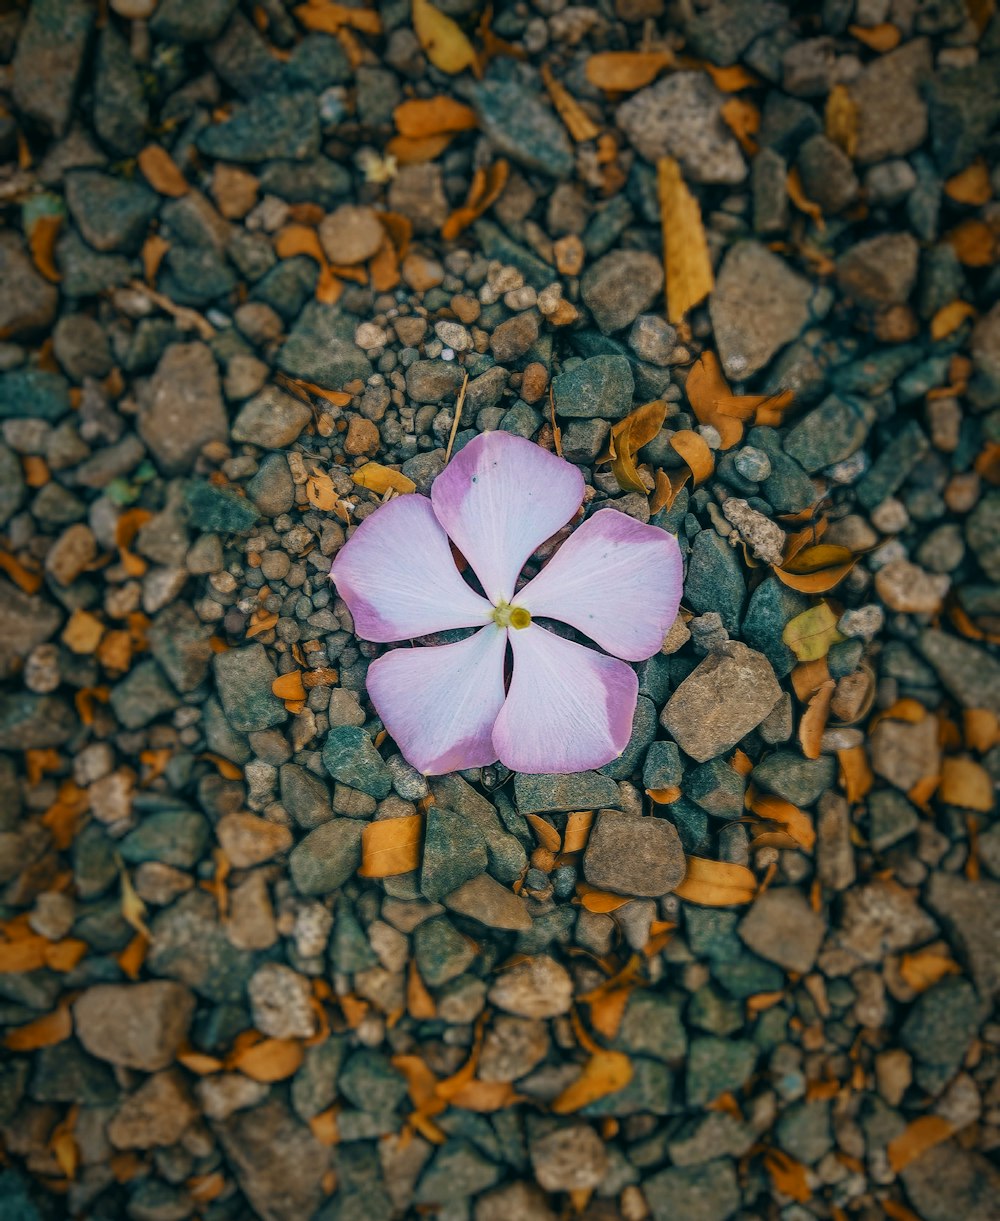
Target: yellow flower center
point(505, 615)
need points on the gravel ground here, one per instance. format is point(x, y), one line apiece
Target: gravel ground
point(226, 290)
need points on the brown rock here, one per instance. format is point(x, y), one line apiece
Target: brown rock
point(157, 1114)
point(783, 928)
point(486, 900)
point(534, 381)
point(906, 587)
point(137, 1025)
point(351, 234)
point(417, 192)
point(362, 437)
point(251, 924)
point(514, 337)
point(28, 302)
point(633, 856)
point(571, 1158)
point(235, 190)
point(881, 270)
point(248, 840)
point(538, 988)
point(892, 116)
point(183, 411)
point(880, 918)
point(512, 1048)
point(903, 753)
point(71, 553)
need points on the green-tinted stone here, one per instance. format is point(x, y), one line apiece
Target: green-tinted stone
point(653, 1025)
point(440, 950)
point(321, 348)
point(830, 433)
point(891, 818)
point(691, 822)
point(349, 755)
point(747, 975)
point(327, 857)
point(33, 392)
point(458, 1171)
point(173, 837)
point(942, 1022)
point(349, 949)
point(63, 1072)
point(717, 1066)
point(143, 695)
point(266, 127)
point(716, 787)
point(517, 121)
point(662, 768)
point(111, 213)
point(370, 1082)
point(804, 1131)
point(844, 657)
point(600, 387)
point(890, 469)
point(218, 510)
point(538, 793)
point(94, 867)
point(649, 1092)
point(711, 933)
point(643, 733)
point(709, 1010)
point(800, 781)
point(314, 1086)
point(243, 678)
point(707, 1192)
point(190, 944)
point(495, 244)
point(454, 852)
point(715, 580)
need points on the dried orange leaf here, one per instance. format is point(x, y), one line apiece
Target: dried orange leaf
point(600, 901)
point(605, 1073)
point(693, 448)
point(320, 492)
point(664, 797)
point(161, 171)
point(51, 1028)
point(788, 1176)
point(421, 117)
point(578, 123)
point(577, 830)
point(731, 78)
point(484, 1097)
point(950, 317)
point(42, 241)
point(380, 479)
point(625, 71)
point(966, 783)
point(289, 686)
point(412, 150)
point(716, 883)
point(855, 773)
point(64, 955)
point(810, 634)
point(419, 1002)
point(813, 722)
point(82, 633)
point(261, 621)
point(879, 38)
point(924, 968)
point(391, 846)
point(974, 242)
point(797, 823)
point(914, 1141)
point(486, 188)
point(981, 728)
point(705, 387)
point(24, 578)
point(841, 119)
point(816, 569)
point(971, 186)
point(299, 239)
point(442, 39)
point(607, 1010)
point(269, 1060)
point(330, 18)
point(743, 120)
point(687, 264)
point(548, 836)
point(628, 436)
point(797, 195)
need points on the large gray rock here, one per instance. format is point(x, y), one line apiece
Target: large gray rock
point(721, 701)
point(28, 302)
point(970, 912)
point(618, 287)
point(24, 622)
point(633, 856)
point(892, 115)
point(49, 57)
point(754, 283)
point(136, 1025)
point(184, 408)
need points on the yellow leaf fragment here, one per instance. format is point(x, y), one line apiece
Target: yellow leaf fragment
point(814, 720)
point(787, 1175)
point(924, 968)
point(693, 448)
point(817, 569)
point(796, 822)
point(626, 71)
point(878, 38)
point(548, 836)
point(950, 317)
point(422, 117)
point(486, 188)
point(796, 193)
point(330, 18)
point(810, 634)
point(716, 883)
point(743, 120)
point(855, 773)
point(706, 388)
point(578, 123)
point(289, 686)
point(605, 1073)
point(162, 172)
point(972, 186)
point(442, 39)
point(601, 901)
point(577, 831)
point(841, 119)
point(391, 846)
point(687, 264)
point(269, 1060)
point(966, 783)
point(51, 1028)
point(42, 241)
point(380, 479)
point(628, 436)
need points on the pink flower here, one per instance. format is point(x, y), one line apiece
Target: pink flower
point(567, 707)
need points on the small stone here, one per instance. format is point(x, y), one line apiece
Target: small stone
point(681, 116)
point(880, 918)
point(537, 988)
point(521, 1200)
point(512, 1048)
point(970, 911)
point(513, 338)
point(951, 1181)
point(272, 419)
point(454, 852)
point(633, 856)
point(138, 1025)
point(432, 381)
point(157, 1114)
point(29, 301)
point(484, 899)
point(905, 753)
point(281, 1002)
point(248, 840)
point(891, 817)
point(827, 173)
point(560, 793)
point(971, 674)
point(881, 270)
point(835, 865)
point(619, 286)
point(892, 115)
point(717, 787)
point(722, 700)
point(351, 234)
point(905, 587)
point(417, 192)
point(327, 857)
point(244, 678)
point(755, 282)
point(350, 757)
point(50, 54)
point(752, 464)
point(781, 927)
point(225, 1093)
point(707, 1192)
point(265, 127)
point(787, 774)
point(362, 437)
point(440, 951)
point(569, 1158)
point(765, 538)
point(715, 580)
point(519, 124)
point(716, 1065)
point(833, 431)
point(457, 1172)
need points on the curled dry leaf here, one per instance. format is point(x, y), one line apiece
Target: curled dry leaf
point(716, 883)
point(731, 78)
point(974, 242)
point(813, 723)
point(45, 1031)
point(687, 264)
point(972, 186)
point(330, 18)
point(981, 729)
point(628, 436)
point(967, 784)
point(269, 1060)
point(950, 317)
point(664, 797)
point(841, 119)
point(381, 479)
point(421, 117)
point(924, 968)
point(577, 831)
point(879, 38)
point(289, 686)
point(391, 846)
point(578, 123)
point(626, 71)
point(600, 901)
point(42, 241)
point(548, 836)
point(486, 188)
point(796, 822)
point(796, 193)
point(810, 634)
point(706, 387)
point(743, 120)
point(442, 39)
point(605, 1073)
point(817, 569)
point(788, 1176)
point(693, 448)
point(412, 150)
point(914, 1141)
point(856, 776)
point(162, 172)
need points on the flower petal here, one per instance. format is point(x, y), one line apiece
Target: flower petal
point(614, 579)
point(398, 577)
point(499, 499)
point(440, 702)
point(568, 708)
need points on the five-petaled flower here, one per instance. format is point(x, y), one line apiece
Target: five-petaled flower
point(566, 707)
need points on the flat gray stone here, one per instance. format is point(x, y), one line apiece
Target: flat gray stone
point(633, 856)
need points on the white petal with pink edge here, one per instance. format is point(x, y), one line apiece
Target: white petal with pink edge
point(440, 702)
point(499, 499)
point(398, 577)
point(616, 580)
point(568, 708)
